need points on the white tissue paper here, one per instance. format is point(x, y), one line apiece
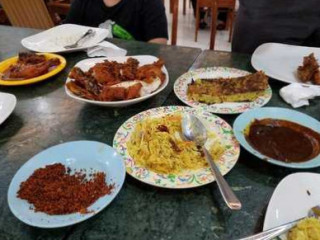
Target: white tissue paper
point(106, 49)
point(298, 95)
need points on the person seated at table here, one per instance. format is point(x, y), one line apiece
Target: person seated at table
point(282, 21)
point(142, 20)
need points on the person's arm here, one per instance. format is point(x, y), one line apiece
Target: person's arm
point(155, 26)
point(75, 14)
point(159, 40)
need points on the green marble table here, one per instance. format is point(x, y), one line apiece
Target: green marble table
point(45, 116)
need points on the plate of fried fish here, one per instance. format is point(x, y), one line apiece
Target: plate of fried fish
point(28, 68)
point(223, 90)
point(117, 81)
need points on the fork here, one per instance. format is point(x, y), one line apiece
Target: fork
point(87, 33)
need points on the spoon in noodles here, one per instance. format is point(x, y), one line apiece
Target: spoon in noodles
point(194, 130)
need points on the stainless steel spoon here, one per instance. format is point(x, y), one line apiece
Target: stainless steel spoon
point(194, 130)
point(86, 34)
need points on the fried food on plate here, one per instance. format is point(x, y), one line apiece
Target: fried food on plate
point(29, 65)
point(309, 71)
point(238, 89)
point(114, 81)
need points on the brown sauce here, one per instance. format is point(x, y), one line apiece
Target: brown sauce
point(283, 140)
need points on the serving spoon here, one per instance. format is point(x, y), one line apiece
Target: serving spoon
point(194, 130)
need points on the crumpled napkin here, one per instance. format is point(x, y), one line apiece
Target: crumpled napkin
point(106, 49)
point(298, 95)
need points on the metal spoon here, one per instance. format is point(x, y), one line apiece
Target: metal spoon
point(87, 33)
point(194, 130)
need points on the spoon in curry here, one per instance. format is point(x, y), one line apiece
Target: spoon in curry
point(194, 130)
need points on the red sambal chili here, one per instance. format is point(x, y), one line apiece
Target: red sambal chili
point(55, 191)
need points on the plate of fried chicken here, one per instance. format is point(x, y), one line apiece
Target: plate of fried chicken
point(117, 81)
point(28, 68)
point(288, 63)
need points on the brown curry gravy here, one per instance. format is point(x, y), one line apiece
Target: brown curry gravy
point(283, 140)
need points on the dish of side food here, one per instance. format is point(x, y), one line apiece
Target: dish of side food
point(223, 90)
point(30, 68)
point(309, 71)
point(296, 188)
point(66, 184)
point(286, 63)
point(117, 81)
point(280, 136)
point(156, 153)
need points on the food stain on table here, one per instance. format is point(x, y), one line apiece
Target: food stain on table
point(283, 140)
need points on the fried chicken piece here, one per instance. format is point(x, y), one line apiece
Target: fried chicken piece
point(120, 93)
point(85, 81)
point(316, 78)
point(106, 72)
point(31, 58)
point(27, 71)
point(80, 91)
point(134, 91)
point(150, 71)
point(112, 94)
point(308, 69)
point(129, 69)
point(77, 73)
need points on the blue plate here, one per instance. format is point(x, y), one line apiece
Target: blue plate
point(246, 118)
point(76, 155)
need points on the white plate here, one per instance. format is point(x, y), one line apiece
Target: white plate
point(54, 39)
point(181, 88)
point(291, 201)
point(280, 61)
point(86, 64)
point(7, 104)
point(78, 155)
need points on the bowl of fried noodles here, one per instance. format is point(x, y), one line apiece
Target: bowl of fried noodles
point(156, 153)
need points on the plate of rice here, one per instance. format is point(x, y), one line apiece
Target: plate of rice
point(156, 153)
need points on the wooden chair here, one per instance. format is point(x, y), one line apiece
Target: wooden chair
point(184, 6)
point(3, 17)
point(228, 5)
point(22, 13)
point(174, 27)
point(212, 4)
point(58, 9)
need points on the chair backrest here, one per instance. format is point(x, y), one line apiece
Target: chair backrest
point(206, 3)
point(59, 7)
point(230, 4)
point(27, 13)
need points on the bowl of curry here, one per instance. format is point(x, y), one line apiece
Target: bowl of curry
point(280, 136)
